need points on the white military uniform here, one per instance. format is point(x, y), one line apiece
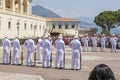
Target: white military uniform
point(39, 47)
point(85, 41)
point(75, 45)
point(94, 43)
point(113, 41)
point(50, 39)
point(46, 51)
point(6, 45)
point(60, 46)
point(102, 42)
point(30, 45)
point(16, 47)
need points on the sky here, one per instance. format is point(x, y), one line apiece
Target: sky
point(79, 8)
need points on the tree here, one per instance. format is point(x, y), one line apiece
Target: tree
point(107, 20)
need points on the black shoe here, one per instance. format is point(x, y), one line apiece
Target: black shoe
point(61, 68)
point(72, 69)
point(55, 67)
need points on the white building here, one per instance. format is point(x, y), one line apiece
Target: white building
point(16, 19)
point(65, 26)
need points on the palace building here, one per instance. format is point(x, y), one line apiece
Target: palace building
point(16, 18)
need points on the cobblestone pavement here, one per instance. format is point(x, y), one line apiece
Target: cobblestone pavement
point(89, 60)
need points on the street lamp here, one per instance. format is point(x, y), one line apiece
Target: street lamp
point(18, 28)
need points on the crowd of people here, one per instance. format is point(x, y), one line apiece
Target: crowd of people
point(44, 49)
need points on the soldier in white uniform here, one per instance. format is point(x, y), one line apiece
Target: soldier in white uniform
point(94, 43)
point(39, 47)
point(30, 45)
point(102, 42)
point(113, 42)
point(50, 39)
point(6, 46)
point(85, 41)
point(75, 45)
point(16, 47)
point(60, 46)
point(46, 51)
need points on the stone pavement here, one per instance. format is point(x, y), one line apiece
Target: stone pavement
point(89, 61)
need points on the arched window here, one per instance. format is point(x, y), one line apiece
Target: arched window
point(9, 25)
point(31, 26)
point(73, 26)
point(8, 4)
point(40, 27)
point(53, 26)
point(66, 26)
point(25, 6)
point(25, 26)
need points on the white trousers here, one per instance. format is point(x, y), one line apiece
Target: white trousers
point(5, 56)
point(102, 47)
point(94, 47)
point(46, 57)
point(15, 56)
point(113, 47)
point(29, 55)
point(75, 59)
point(40, 55)
point(59, 57)
point(85, 47)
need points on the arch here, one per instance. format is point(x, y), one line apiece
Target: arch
point(8, 4)
point(25, 6)
point(17, 5)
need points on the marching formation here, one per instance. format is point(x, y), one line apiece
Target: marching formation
point(44, 50)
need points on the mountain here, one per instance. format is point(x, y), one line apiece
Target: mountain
point(44, 12)
point(87, 22)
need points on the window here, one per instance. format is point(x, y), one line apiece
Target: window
point(9, 25)
point(31, 26)
point(53, 27)
point(40, 27)
point(60, 26)
point(0, 24)
point(66, 26)
point(25, 26)
point(73, 26)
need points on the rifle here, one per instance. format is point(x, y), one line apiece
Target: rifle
point(51, 60)
point(64, 61)
point(80, 61)
point(22, 56)
point(35, 58)
point(10, 58)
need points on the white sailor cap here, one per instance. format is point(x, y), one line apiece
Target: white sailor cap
point(75, 36)
point(60, 36)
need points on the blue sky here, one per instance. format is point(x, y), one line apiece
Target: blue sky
point(78, 8)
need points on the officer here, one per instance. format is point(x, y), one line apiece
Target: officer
point(16, 47)
point(46, 51)
point(30, 45)
point(39, 47)
point(103, 39)
point(60, 46)
point(113, 41)
point(50, 39)
point(75, 45)
point(94, 43)
point(85, 41)
point(6, 45)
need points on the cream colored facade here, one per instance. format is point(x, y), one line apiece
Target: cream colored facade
point(16, 19)
point(65, 26)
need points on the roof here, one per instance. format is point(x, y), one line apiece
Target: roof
point(60, 19)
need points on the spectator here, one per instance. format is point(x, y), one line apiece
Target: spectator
point(101, 72)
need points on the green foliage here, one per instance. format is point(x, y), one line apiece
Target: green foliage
point(107, 20)
point(107, 32)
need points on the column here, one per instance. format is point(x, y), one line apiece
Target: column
point(13, 6)
point(21, 6)
point(4, 1)
point(28, 9)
